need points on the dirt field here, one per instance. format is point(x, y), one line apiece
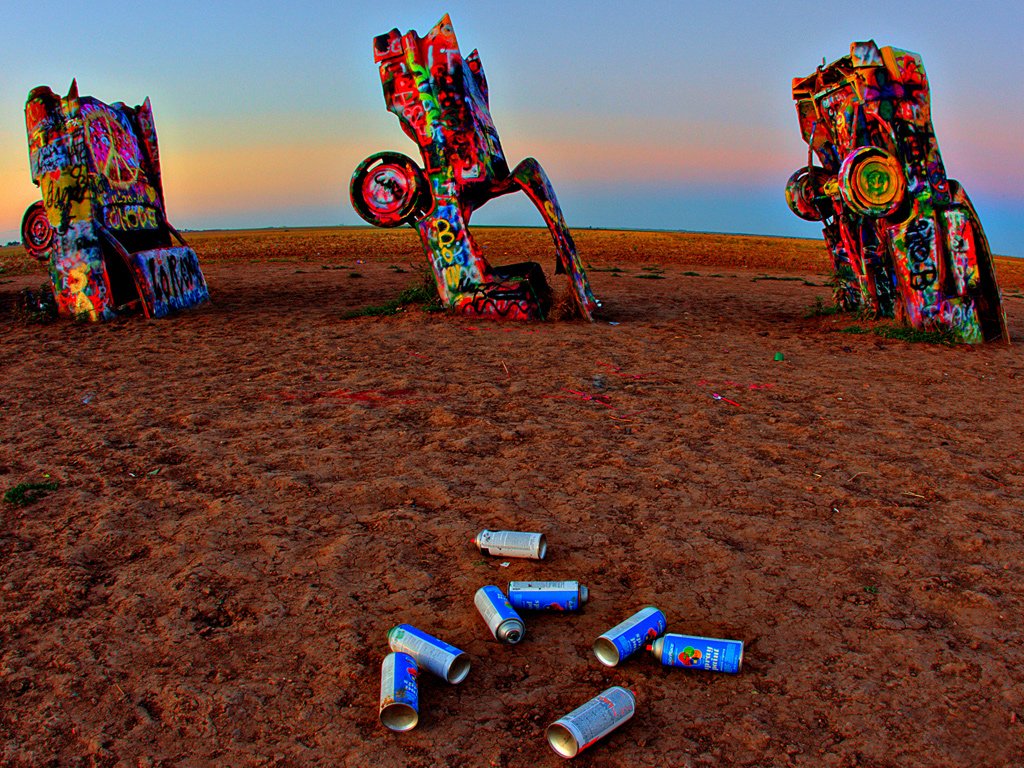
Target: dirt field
point(248, 496)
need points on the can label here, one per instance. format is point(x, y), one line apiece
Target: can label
point(429, 652)
point(707, 653)
point(512, 544)
point(594, 720)
point(496, 610)
point(544, 595)
point(636, 632)
point(398, 689)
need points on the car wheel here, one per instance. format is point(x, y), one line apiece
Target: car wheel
point(871, 182)
point(805, 193)
point(388, 189)
point(36, 233)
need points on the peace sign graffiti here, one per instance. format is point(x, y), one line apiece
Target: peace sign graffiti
point(113, 146)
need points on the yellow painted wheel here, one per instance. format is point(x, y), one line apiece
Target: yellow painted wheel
point(871, 182)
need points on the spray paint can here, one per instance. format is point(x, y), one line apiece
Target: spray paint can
point(445, 661)
point(695, 652)
point(571, 734)
point(625, 639)
point(547, 595)
point(502, 620)
point(512, 544)
point(399, 696)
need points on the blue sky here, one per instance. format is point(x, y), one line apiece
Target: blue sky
point(668, 115)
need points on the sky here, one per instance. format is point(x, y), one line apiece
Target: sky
point(648, 115)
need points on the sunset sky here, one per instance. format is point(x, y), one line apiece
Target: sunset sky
point(651, 115)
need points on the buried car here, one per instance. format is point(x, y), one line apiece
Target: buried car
point(904, 238)
point(102, 225)
point(441, 101)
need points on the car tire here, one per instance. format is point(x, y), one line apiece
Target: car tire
point(37, 234)
point(805, 193)
point(388, 189)
point(872, 182)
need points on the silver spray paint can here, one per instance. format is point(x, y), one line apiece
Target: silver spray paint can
point(547, 595)
point(501, 618)
point(512, 544)
point(625, 639)
point(445, 661)
point(399, 695)
point(571, 734)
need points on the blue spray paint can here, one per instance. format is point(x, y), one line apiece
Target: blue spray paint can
point(399, 696)
point(694, 652)
point(625, 639)
point(445, 661)
point(502, 620)
point(547, 595)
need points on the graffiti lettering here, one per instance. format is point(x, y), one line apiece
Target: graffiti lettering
point(445, 236)
point(428, 101)
point(406, 101)
point(497, 304)
point(130, 217)
point(65, 191)
point(173, 277)
point(113, 197)
point(451, 275)
point(920, 237)
point(49, 158)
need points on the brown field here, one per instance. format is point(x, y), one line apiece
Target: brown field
point(248, 496)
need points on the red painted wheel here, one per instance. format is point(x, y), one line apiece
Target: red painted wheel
point(805, 193)
point(36, 233)
point(388, 189)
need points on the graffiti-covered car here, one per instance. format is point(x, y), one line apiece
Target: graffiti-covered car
point(102, 226)
point(441, 101)
point(904, 238)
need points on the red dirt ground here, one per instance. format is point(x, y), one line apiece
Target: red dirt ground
point(251, 494)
